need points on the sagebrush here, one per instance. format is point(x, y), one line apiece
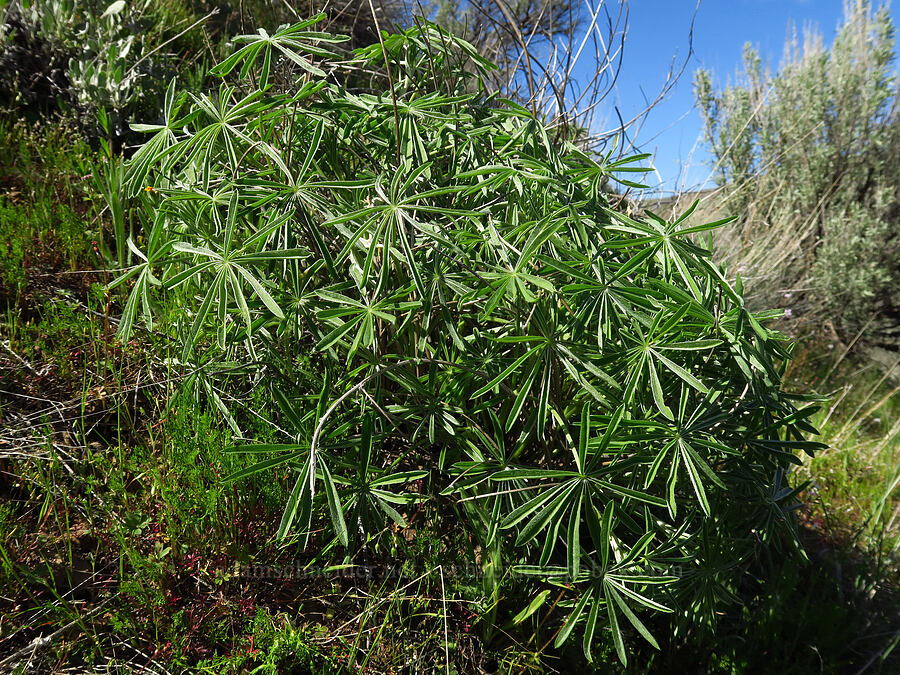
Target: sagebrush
point(808, 156)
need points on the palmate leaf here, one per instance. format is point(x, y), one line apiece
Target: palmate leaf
point(288, 41)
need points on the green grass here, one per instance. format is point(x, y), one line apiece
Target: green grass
point(47, 218)
point(857, 480)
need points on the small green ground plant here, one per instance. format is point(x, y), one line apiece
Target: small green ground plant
point(586, 390)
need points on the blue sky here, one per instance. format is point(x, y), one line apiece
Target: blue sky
point(658, 31)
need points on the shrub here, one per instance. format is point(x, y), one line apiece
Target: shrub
point(808, 156)
point(32, 70)
point(584, 389)
point(95, 57)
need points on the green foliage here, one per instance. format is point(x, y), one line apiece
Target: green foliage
point(584, 388)
point(288, 649)
point(809, 157)
point(47, 219)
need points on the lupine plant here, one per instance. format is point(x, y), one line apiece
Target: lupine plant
point(431, 284)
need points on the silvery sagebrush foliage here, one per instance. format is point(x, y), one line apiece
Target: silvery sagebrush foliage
point(584, 388)
point(92, 57)
point(809, 157)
